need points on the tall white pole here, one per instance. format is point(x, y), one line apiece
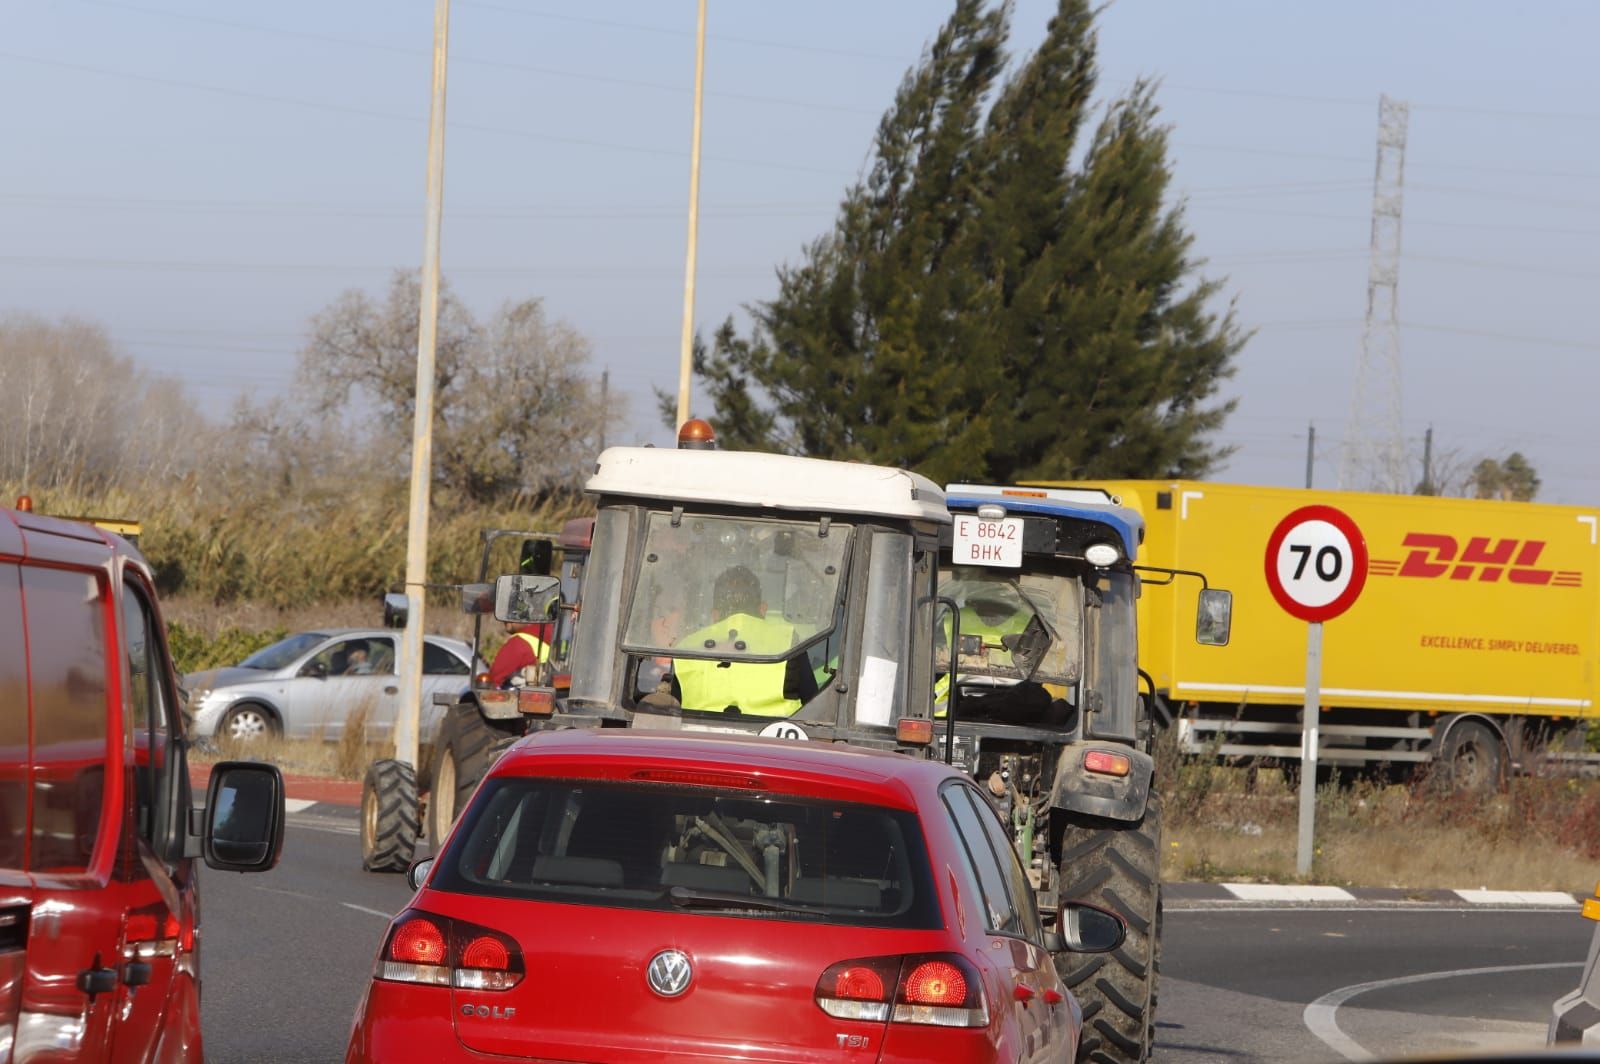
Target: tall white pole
point(1310, 739)
point(686, 346)
point(407, 722)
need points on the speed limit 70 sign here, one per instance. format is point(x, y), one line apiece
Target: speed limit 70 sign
point(1316, 563)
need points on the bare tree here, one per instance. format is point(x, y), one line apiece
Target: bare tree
point(81, 415)
point(516, 410)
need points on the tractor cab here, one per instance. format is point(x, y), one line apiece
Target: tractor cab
point(739, 592)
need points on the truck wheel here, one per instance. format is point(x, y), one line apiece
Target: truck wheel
point(389, 816)
point(467, 745)
point(1116, 866)
point(1473, 757)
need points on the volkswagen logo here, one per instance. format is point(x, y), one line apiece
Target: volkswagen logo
point(669, 973)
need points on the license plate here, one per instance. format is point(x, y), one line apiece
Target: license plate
point(987, 541)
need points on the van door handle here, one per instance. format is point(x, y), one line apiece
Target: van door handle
point(391, 690)
point(94, 981)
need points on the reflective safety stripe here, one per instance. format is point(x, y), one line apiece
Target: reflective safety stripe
point(541, 652)
point(756, 688)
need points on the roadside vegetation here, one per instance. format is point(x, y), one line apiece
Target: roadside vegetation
point(1238, 823)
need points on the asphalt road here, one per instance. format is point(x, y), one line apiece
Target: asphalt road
point(286, 955)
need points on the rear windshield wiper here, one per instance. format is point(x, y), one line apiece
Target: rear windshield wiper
point(688, 898)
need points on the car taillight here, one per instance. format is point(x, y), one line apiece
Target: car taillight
point(438, 951)
point(942, 989)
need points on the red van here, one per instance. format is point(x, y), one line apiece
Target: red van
point(99, 913)
point(613, 895)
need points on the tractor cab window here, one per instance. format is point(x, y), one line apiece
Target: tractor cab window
point(1014, 626)
point(736, 615)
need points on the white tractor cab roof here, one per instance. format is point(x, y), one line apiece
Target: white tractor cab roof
point(1083, 504)
point(770, 481)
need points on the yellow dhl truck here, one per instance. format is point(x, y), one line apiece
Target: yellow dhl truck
point(1473, 641)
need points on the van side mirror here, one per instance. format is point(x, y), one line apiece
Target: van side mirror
point(1214, 618)
point(244, 817)
point(526, 599)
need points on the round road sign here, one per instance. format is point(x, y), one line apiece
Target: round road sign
point(1316, 563)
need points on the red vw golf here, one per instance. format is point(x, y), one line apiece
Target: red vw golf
point(627, 896)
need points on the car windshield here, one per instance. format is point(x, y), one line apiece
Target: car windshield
point(284, 652)
point(1015, 626)
point(702, 849)
point(735, 589)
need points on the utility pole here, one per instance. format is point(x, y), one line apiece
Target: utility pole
point(686, 346)
point(1374, 453)
point(1427, 487)
point(605, 404)
point(1311, 450)
point(408, 721)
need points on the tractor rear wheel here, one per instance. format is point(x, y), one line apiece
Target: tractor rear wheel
point(1116, 866)
point(390, 817)
point(467, 746)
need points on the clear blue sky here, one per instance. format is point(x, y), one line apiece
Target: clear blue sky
point(203, 176)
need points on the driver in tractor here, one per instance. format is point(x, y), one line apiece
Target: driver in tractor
point(740, 624)
point(1003, 637)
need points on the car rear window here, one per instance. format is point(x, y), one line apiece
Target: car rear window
point(698, 849)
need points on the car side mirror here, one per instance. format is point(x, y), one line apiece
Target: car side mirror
point(526, 599)
point(1214, 617)
point(318, 669)
point(418, 872)
point(244, 817)
point(1085, 928)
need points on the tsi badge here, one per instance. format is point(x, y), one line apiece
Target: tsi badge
point(669, 973)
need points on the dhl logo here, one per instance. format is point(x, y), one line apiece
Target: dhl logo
point(1433, 556)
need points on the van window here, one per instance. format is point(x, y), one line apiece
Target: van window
point(13, 724)
point(67, 664)
point(149, 717)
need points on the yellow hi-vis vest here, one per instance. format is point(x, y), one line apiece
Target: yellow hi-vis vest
point(972, 624)
point(541, 651)
point(756, 688)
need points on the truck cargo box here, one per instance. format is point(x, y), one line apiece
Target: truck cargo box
point(1470, 607)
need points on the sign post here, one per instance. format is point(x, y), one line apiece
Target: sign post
point(1316, 567)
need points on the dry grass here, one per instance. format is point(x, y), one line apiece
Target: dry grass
point(1542, 832)
point(344, 759)
point(211, 619)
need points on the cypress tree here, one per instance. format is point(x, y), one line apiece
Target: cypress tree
point(981, 308)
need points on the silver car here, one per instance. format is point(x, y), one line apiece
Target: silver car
point(311, 685)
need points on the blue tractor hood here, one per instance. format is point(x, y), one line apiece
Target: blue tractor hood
point(1070, 503)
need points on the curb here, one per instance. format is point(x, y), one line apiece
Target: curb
point(308, 789)
point(1269, 895)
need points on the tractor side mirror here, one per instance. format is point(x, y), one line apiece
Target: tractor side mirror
point(1214, 618)
point(537, 557)
point(526, 599)
point(395, 608)
point(477, 598)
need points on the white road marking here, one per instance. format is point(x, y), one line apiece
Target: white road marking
point(363, 909)
point(1391, 907)
point(1321, 1016)
point(297, 805)
point(1274, 892)
point(1515, 897)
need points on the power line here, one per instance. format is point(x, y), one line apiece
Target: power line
point(1487, 334)
point(389, 116)
point(353, 42)
point(675, 31)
